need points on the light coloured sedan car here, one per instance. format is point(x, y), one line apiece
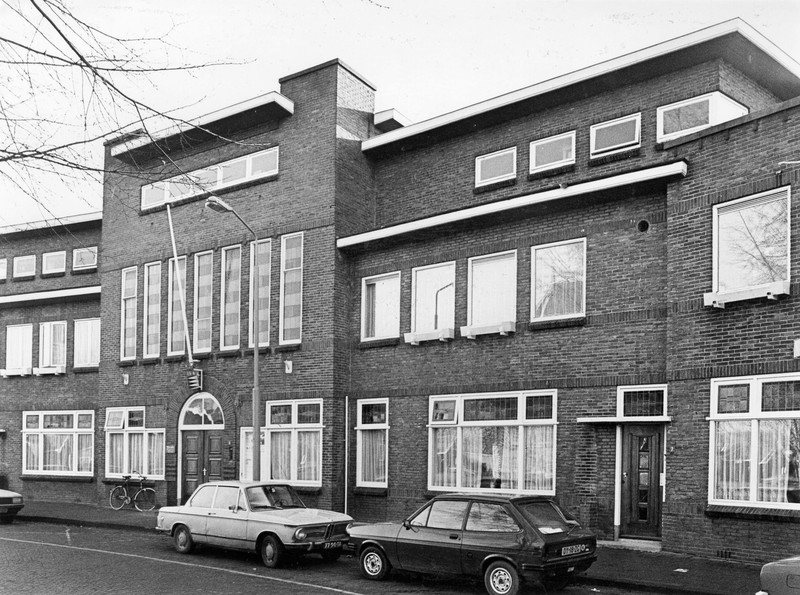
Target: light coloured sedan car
point(10, 505)
point(267, 518)
point(781, 577)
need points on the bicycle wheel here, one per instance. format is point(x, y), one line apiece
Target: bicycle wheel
point(145, 499)
point(118, 497)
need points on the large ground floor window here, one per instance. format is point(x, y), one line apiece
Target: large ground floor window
point(493, 441)
point(755, 441)
point(58, 442)
point(130, 446)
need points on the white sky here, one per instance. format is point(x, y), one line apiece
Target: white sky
point(426, 57)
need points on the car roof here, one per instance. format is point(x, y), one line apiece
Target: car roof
point(243, 484)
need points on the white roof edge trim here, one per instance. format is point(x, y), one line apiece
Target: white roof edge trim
point(662, 171)
point(271, 97)
point(55, 222)
point(559, 82)
point(51, 295)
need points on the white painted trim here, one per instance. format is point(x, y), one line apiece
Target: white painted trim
point(50, 295)
point(679, 43)
point(56, 222)
point(653, 173)
point(287, 104)
point(640, 419)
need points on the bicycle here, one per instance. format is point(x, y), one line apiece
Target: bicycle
point(144, 499)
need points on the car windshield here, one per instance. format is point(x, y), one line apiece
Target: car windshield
point(545, 516)
point(261, 497)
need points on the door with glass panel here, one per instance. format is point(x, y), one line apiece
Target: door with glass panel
point(201, 425)
point(641, 481)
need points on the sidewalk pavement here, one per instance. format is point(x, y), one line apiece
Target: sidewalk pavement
point(618, 564)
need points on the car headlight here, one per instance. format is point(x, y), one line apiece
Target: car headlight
point(347, 529)
point(300, 534)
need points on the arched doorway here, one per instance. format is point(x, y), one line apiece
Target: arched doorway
point(200, 426)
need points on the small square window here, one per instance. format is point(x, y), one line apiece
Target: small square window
point(24, 266)
point(443, 411)
point(380, 307)
point(615, 135)
point(84, 258)
point(553, 152)
point(54, 262)
point(496, 167)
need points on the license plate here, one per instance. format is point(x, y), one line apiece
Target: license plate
point(573, 549)
point(332, 545)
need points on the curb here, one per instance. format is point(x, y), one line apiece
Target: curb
point(85, 523)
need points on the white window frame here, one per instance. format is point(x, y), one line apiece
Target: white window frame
point(223, 305)
point(3, 269)
point(245, 456)
point(625, 146)
point(60, 265)
point(362, 427)
point(534, 168)
point(198, 348)
point(458, 422)
point(123, 413)
point(441, 333)
point(25, 355)
point(47, 347)
point(365, 282)
point(20, 262)
point(721, 108)
point(773, 289)
point(294, 428)
point(534, 249)
point(123, 301)
point(148, 350)
point(754, 415)
point(77, 257)
point(481, 159)
point(284, 272)
point(500, 326)
point(93, 330)
point(207, 179)
point(264, 293)
point(40, 431)
point(173, 315)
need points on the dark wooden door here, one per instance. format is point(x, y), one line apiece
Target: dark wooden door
point(202, 459)
point(641, 481)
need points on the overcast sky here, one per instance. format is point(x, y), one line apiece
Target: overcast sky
point(426, 57)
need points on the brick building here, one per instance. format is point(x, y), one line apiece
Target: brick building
point(583, 288)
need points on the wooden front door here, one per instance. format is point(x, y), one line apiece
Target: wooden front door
point(642, 451)
point(202, 459)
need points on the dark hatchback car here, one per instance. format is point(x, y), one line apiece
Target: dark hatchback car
point(504, 539)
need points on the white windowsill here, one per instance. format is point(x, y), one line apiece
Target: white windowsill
point(15, 372)
point(52, 370)
point(501, 328)
point(442, 334)
point(771, 291)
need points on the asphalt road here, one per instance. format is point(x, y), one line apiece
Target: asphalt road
point(38, 558)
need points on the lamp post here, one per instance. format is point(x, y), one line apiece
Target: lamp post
point(220, 206)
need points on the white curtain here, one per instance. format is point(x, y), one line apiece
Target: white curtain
point(87, 342)
point(489, 457)
point(84, 453)
point(57, 452)
point(231, 297)
point(32, 452)
point(176, 336)
point(280, 455)
point(778, 447)
point(493, 291)
point(291, 300)
point(115, 452)
point(135, 453)
point(538, 458)
point(443, 457)
point(19, 340)
point(559, 280)
point(155, 454)
point(732, 460)
point(308, 456)
point(373, 456)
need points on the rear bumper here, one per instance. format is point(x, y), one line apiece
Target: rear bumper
point(558, 568)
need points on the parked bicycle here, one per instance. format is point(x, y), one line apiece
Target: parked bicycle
point(143, 499)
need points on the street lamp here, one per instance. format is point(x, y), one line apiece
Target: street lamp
point(220, 206)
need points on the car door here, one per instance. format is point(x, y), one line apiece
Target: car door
point(195, 512)
point(227, 521)
point(431, 541)
point(490, 529)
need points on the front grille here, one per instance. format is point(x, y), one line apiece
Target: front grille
point(336, 529)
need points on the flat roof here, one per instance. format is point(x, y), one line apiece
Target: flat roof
point(54, 222)
point(788, 68)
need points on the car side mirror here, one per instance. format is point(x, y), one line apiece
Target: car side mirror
point(407, 524)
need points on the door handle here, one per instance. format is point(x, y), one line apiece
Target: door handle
point(454, 536)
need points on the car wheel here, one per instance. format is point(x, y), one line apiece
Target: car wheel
point(182, 538)
point(331, 555)
point(501, 578)
point(272, 551)
point(373, 563)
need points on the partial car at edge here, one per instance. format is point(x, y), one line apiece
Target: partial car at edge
point(266, 517)
point(10, 505)
point(781, 577)
point(504, 539)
